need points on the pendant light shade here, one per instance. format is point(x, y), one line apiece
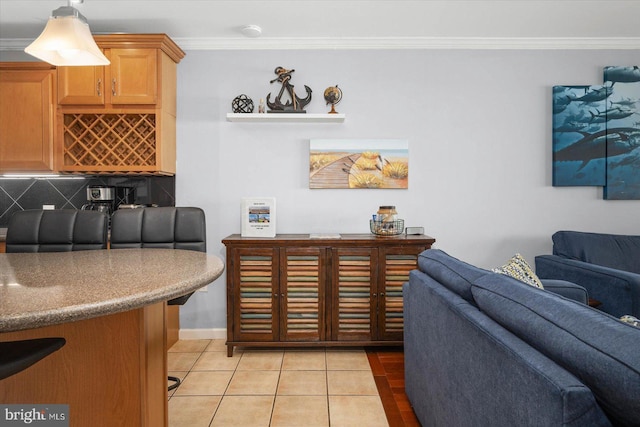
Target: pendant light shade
point(67, 41)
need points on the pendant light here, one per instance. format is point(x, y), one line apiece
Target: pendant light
point(67, 40)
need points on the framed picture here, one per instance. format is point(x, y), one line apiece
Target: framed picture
point(359, 163)
point(258, 217)
point(579, 135)
point(623, 133)
point(596, 134)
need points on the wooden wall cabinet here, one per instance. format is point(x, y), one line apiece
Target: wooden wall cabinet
point(293, 290)
point(131, 78)
point(120, 118)
point(27, 117)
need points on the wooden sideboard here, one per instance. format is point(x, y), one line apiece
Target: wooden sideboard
point(294, 290)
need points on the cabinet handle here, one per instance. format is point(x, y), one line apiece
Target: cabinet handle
point(381, 294)
point(113, 87)
point(375, 295)
point(99, 87)
point(282, 295)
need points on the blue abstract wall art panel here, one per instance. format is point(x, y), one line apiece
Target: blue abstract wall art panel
point(579, 135)
point(623, 133)
point(596, 134)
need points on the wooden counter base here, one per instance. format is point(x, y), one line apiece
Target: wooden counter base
point(111, 372)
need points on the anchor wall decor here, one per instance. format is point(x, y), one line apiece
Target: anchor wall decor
point(294, 104)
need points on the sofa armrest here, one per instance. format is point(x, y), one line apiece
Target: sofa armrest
point(566, 289)
point(619, 291)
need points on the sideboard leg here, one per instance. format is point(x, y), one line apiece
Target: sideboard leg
point(229, 350)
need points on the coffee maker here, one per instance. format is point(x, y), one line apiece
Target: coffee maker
point(101, 198)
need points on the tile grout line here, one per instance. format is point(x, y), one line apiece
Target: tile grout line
point(224, 393)
point(326, 378)
point(275, 393)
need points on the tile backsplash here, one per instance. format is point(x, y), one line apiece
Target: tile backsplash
point(69, 192)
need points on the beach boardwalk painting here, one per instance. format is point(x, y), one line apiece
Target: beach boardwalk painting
point(359, 163)
point(623, 133)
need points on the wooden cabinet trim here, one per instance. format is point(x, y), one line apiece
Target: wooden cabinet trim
point(143, 41)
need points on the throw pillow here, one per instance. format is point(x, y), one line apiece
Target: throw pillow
point(518, 268)
point(631, 320)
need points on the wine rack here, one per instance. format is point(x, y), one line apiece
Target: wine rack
point(109, 143)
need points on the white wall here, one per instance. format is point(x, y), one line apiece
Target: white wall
point(479, 129)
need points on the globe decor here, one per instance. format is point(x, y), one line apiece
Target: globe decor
point(242, 104)
point(333, 95)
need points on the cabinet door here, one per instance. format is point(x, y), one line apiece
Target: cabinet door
point(81, 85)
point(354, 294)
point(394, 267)
point(26, 120)
point(133, 76)
point(302, 285)
point(255, 294)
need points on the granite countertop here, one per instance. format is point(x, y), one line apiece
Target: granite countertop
point(42, 289)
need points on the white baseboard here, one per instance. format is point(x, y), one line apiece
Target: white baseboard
point(203, 334)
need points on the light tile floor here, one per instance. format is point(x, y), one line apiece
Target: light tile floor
point(260, 387)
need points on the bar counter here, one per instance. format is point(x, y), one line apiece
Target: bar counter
point(110, 306)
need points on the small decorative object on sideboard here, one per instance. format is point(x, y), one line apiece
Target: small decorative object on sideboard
point(387, 228)
point(386, 214)
point(242, 104)
point(294, 104)
point(333, 95)
point(414, 230)
point(258, 217)
point(386, 222)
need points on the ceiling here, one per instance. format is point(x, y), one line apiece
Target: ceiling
point(216, 24)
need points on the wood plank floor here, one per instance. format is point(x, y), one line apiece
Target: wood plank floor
point(387, 366)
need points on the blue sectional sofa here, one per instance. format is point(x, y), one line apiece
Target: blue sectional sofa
point(483, 349)
point(607, 265)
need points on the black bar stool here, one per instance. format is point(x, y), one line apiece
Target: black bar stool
point(16, 356)
point(165, 227)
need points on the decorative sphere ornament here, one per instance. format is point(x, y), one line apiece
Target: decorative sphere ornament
point(242, 104)
point(333, 95)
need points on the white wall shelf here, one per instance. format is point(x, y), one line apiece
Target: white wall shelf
point(286, 117)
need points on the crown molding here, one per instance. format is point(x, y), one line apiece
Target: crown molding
point(352, 43)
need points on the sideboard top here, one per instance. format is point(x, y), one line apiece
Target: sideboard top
point(344, 239)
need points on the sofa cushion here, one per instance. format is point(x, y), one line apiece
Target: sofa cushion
point(610, 250)
point(597, 348)
point(518, 268)
point(452, 273)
